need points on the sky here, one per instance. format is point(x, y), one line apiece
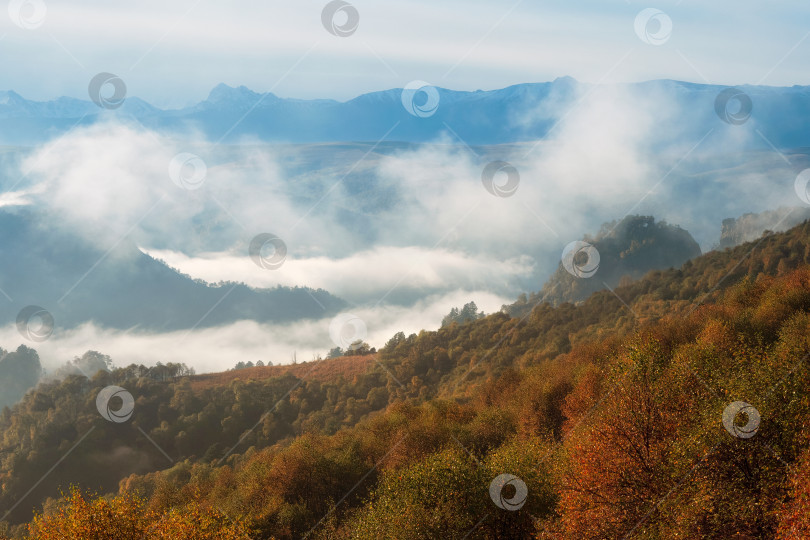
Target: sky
point(172, 53)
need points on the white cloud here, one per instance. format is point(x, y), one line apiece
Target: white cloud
point(97, 180)
point(217, 349)
point(15, 198)
point(362, 277)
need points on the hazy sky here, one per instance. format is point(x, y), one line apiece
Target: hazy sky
point(173, 53)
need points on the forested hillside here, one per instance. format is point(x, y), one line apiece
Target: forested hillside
point(675, 406)
point(625, 249)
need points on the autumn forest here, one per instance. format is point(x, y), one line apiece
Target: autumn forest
point(679, 411)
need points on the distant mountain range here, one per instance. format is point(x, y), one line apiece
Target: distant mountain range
point(479, 117)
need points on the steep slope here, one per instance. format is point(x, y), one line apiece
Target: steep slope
point(500, 377)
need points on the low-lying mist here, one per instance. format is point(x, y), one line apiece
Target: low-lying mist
point(220, 348)
point(402, 233)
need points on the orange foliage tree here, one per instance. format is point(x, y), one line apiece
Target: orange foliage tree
point(126, 517)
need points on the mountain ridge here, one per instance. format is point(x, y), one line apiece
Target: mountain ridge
point(477, 117)
point(222, 89)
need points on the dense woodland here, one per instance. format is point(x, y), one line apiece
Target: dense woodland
point(611, 412)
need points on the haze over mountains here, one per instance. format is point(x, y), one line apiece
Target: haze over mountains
point(395, 230)
point(126, 288)
point(480, 117)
